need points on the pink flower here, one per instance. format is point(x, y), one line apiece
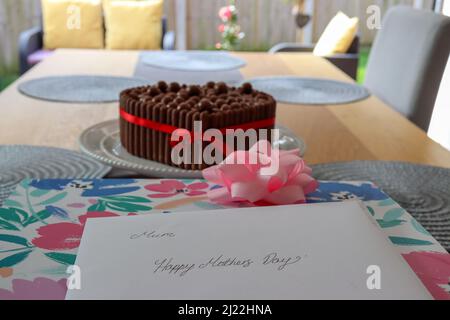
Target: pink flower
point(433, 269)
point(59, 236)
point(261, 175)
point(65, 235)
point(170, 188)
point(221, 28)
point(225, 13)
point(38, 289)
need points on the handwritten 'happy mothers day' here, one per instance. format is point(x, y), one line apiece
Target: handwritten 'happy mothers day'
point(167, 265)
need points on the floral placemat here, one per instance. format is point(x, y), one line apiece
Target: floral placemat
point(41, 226)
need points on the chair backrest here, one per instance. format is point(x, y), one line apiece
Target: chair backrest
point(297, 47)
point(354, 47)
point(407, 61)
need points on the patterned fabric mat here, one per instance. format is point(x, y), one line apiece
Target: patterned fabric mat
point(423, 191)
point(42, 223)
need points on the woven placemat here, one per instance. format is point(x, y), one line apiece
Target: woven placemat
point(424, 191)
point(18, 162)
point(192, 60)
point(312, 91)
point(154, 74)
point(78, 88)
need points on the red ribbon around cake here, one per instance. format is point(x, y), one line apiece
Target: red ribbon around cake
point(166, 128)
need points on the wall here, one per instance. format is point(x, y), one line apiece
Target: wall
point(267, 22)
point(15, 16)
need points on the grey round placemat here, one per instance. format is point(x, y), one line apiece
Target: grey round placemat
point(78, 88)
point(18, 162)
point(192, 60)
point(424, 191)
point(311, 91)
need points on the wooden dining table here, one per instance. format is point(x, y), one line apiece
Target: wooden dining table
point(363, 130)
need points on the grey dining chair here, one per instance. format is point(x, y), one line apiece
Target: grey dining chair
point(407, 61)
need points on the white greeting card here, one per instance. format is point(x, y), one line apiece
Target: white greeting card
point(319, 251)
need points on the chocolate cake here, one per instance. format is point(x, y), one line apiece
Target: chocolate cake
point(148, 114)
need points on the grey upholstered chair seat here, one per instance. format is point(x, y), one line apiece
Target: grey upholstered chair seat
point(407, 61)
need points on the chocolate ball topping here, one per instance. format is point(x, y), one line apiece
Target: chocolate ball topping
point(210, 98)
point(247, 88)
point(162, 86)
point(194, 91)
point(221, 88)
point(205, 105)
point(183, 94)
point(154, 91)
point(174, 87)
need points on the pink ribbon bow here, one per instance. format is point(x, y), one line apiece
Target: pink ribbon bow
point(244, 179)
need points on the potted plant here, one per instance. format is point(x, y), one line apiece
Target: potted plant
point(229, 29)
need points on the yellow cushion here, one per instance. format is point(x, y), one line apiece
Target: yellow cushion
point(338, 35)
point(133, 24)
point(73, 24)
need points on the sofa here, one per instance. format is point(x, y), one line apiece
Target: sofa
point(31, 49)
point(347, 62)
